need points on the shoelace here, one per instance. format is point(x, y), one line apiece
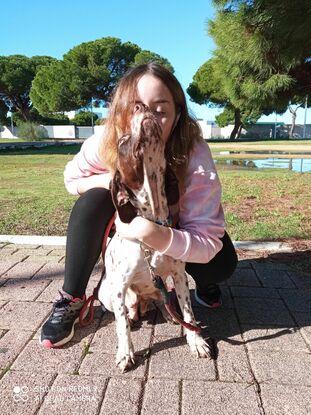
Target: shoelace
point(60, 306)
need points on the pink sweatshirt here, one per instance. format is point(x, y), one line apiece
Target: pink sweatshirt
point(201, 217)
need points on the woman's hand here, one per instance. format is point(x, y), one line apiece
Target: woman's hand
point(137, 229)
point(156, 236)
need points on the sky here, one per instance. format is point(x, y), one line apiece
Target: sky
point(176, 30)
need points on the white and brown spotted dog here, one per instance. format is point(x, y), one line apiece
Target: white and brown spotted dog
point(138, 188)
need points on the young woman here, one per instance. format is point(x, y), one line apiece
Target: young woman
point(200, 240)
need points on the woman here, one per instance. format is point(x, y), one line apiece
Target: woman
point(200, 240)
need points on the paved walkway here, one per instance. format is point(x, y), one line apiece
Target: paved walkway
point(262, 335)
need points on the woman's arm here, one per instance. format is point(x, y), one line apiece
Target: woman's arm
point(97, 180)
point(86, 170)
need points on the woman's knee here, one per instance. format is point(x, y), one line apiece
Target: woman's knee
point(96, 202)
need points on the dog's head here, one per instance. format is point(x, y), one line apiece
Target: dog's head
point(143, 146)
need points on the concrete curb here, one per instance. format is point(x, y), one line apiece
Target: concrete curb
point(61, 241)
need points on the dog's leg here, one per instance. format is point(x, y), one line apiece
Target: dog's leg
point(197, 344)
point(125, 354)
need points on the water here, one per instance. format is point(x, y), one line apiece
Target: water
point(300, 165)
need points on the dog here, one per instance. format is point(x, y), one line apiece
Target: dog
point(138, 188)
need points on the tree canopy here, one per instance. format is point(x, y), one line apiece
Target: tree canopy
point(261, 62)
point(16, 75)
point(88, 72)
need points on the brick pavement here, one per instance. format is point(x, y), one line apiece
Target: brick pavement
point(262, 339)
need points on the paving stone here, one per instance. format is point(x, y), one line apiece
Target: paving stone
point(271, 277)
point(18, 257)
point(38, 252)
point(300, 280)
point(57, 252)
point(232, 363)
point(105, 339)
point(104, 364)
point(52, 271)
point(24, 315)
point(207, 398)
point(263, 311)
point(50, 293)
point(8, 250)
point(5, 265)
point(297, 300)
point(22, 290)
point(21, 392)
point(130, 391)
point(244, 277)
point(27, 246)
point(244, 263)
point(255, 292)
point(2, 303)
point(63, 360)
point(74, 394)
point(153, 402)
point(163, 328)
point(171, 359)
point(286, 400)
point(35, 259)
point(11, 344)
point(304, 322)
point(23, 271)
point(281, 367)
point(220, 324)
point(287, 339)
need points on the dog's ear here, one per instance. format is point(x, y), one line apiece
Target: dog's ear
point(121, 199)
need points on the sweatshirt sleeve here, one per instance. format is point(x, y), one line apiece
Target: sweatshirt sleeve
point(201, 218)
point(84, 164)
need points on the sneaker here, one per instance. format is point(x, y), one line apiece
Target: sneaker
point(210, 298)
point(59, 327)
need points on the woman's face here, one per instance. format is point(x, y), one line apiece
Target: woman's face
point(152, 92)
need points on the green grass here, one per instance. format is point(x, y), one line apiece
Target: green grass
point(262, 205)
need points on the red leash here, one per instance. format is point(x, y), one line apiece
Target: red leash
point(90, 301)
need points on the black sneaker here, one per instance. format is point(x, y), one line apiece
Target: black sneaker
point(210, 298)
point(59, 327)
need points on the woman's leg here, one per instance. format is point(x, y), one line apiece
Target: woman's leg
point(88, 220)
point(220, 268)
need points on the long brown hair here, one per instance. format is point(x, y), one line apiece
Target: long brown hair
point(183, 137)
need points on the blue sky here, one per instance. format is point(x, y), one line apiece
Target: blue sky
point(174, 29)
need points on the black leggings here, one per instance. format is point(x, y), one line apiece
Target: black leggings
point(88, 220)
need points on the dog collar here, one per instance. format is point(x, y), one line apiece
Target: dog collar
point(168, 222)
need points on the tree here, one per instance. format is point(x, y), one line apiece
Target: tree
point(211, 87)
point(262, 60)
point(84, 118)
point(88, 72)
point(16, 75)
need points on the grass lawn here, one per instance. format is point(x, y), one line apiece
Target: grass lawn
point(268, 205)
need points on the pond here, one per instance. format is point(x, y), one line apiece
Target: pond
point(301, 165)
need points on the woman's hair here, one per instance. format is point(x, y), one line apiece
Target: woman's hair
point(181, 141)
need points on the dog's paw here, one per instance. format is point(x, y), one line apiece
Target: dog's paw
point(198, 346)
point(125, 362)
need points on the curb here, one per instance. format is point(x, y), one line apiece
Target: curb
point(61, 241)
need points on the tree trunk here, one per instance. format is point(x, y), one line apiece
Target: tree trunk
point(292, 127)
point(237, 124)
point(239, 131)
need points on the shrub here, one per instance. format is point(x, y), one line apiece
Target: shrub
point(32, 132)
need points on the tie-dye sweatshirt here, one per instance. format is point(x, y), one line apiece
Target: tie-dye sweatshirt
point(201, 217)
